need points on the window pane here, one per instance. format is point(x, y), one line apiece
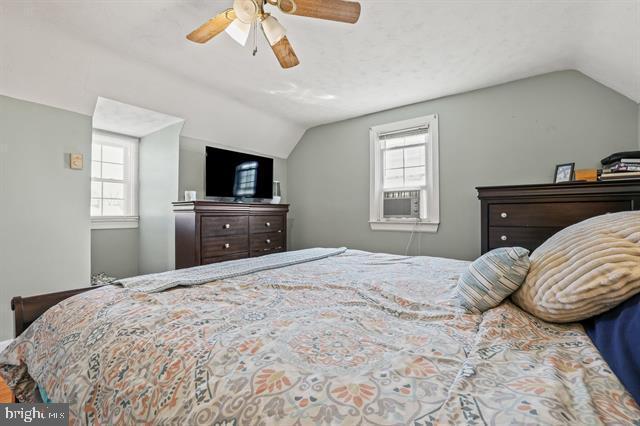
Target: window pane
point(95, 169)
point(113, 207)
point(414, 156)
point(96, 152)
point(394, 143)
point(96, 189)
point(113, 190)
point(415, 176)
point(113, 154)
point(96, 207)
point(393, 178)
point(112, 171)
point(393, 159)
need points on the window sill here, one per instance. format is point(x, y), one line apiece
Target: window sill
point(114, 222)
point(402, 226)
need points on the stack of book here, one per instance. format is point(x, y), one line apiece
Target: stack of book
point(623, 165)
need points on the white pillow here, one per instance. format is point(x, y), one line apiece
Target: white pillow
point(584, 270)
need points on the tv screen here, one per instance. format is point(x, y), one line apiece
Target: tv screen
point(238, 175)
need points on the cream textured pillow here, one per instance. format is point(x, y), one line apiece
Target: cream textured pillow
point(584, 269)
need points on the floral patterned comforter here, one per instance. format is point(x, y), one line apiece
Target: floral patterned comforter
point(358, 338)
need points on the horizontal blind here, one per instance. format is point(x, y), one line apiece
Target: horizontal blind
point(415, 131)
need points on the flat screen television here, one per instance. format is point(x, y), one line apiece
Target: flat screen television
point(231, 174)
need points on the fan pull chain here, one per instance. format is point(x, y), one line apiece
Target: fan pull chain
point(255, 38)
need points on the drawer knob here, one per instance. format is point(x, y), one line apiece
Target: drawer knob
point(503, 215)
point(268, 224)
point(504, 238)
point(227, 226)
point(227, 245)
point(268, 241)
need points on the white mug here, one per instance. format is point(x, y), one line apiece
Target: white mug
point(189, 195)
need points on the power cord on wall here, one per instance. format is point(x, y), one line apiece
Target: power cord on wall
point(413, 231)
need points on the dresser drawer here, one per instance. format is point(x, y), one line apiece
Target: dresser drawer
point(265, 252)
point(529, 238)
point(218, 259)
point(260, 224)
point(270, 242)
point(222, 246)
point(551, 214)
point(216, 226)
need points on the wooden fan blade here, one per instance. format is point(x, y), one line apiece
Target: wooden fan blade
point(285, 54)
point(212, 27)
point(332, 10)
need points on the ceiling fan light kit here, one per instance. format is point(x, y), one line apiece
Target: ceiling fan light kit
point(237, 22)
point(246, 10)
point(287, 6)
point(273, 30)
point(239, 31)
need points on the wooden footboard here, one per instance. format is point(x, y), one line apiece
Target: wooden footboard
point(28, 309)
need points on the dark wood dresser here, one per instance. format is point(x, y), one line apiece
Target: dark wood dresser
point(210, 232)
point(526, 215)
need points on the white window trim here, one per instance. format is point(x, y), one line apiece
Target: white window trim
point(122, 222)
point(432, 222)
point(114, 222)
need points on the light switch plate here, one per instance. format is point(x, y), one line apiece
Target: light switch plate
point(76, 161)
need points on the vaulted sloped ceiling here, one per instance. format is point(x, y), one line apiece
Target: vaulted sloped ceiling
point(67, 53)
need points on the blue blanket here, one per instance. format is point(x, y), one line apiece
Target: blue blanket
point(616, 334)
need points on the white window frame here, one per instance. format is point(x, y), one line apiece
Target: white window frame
point(430, 220)
point(131, 189)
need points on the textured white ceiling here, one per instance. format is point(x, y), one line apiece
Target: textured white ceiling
point(401, 51)
point(131, 120)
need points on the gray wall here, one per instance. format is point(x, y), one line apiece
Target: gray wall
point(124, 252)
point(192, 160)
point(158, 176)
point(44, 215)
point(115, 252)
point(509, 134)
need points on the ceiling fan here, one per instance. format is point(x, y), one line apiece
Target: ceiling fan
point(245, 14)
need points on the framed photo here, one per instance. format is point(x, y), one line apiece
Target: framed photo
point(564, 172)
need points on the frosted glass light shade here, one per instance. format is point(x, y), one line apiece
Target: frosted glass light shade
point(239, 31)
point(246, 10)
point(273, 30)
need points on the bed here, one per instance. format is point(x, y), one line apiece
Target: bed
point(355, 338)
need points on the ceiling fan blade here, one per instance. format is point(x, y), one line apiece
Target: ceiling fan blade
point(212, 27)
point(332, 10)
point(285, 54)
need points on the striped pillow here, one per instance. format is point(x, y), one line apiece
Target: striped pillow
point(492, 278)
point(585, 269)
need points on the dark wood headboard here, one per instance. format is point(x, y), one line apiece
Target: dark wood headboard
point(28, 309)
point(527, 215)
